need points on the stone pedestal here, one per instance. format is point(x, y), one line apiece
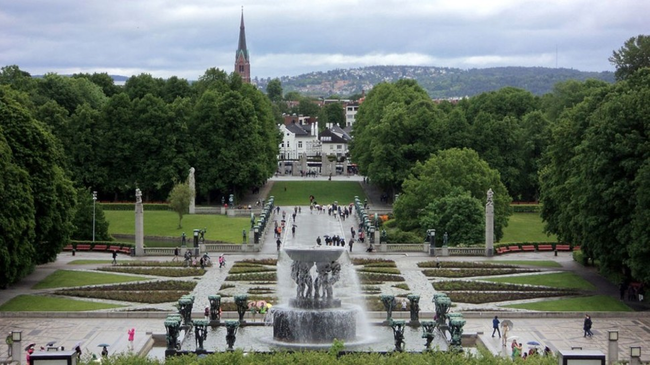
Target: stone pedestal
point(192, 185)
point(489, 225)
point(445, 251)
point(139, 224)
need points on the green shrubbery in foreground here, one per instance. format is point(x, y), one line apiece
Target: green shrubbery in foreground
point(324, 358)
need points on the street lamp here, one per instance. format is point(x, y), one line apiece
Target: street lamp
point(94, 200)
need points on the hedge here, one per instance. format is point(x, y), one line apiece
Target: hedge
point(525, 208)
point(131, 206)
point(92, 244)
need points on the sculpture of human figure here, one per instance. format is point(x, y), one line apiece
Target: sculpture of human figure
point(138, 196)
point(336, 275)
point(190, 179)
point(304, 279)
point(321, 282)
point(490, 195)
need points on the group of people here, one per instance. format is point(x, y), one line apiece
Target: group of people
point(516, 347)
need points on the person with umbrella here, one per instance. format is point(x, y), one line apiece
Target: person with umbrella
point(104, 347)
point(506, 325)
point(30, 351)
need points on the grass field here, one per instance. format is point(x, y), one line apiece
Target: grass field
point(566, 280)
point(294, 193)
point(596, 303)
point(526, 227)
point(543, 263)
point(164, 223)
point(68, 278)
point(37, 303)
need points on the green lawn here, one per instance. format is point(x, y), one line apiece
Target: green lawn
point(67, 278)
point(294, 193)
point(543, 263)
point(526, 227)
point(566, 280)
point(596, 303)
point(164, 223)
point(37, 303)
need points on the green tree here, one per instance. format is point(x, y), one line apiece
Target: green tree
point(103, 80)
point(308, 107)
point(179, 200)
point(18, 79)
point(17, 217)
point(83, 218)
point(448, 172)
point(274, 90)
point(37, 152)
point(139, 86)
point(331, 113)
point(634, 55)
point(70, 92)
point(458, 214)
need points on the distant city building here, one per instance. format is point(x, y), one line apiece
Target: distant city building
point(334, 141)
point(351, 110)
point(242, 60)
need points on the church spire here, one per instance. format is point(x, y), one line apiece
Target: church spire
point(242, 61)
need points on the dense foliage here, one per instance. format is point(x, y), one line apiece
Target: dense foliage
point(86, 211)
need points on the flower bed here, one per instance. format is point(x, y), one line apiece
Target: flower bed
point(473, 297)
point(180, 264)
point(402, 286)
point(463, 264)
point(375, 262)
point(155, 271)
point(379, 270)
point(149, 292)
point(466, 273)
point(463, 285)
point(272, 262)
point(257, 276)
point(367, 278)
point(250, 269)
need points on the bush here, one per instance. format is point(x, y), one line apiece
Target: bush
point(390, 224)
point(131, 206)
point(399, 236)
point(526, 208)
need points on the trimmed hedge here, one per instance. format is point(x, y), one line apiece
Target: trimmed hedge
point(74, 243)
point(471, 272)
point(131, 206)
point(155, 271)
point(519, 244)
point(526, 208)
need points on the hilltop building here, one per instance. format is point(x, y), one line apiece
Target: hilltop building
point(242, 60)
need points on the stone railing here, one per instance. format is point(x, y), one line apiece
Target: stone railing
point(424, 247)
point(403, 247)
point(159, 251)
point(225, 247)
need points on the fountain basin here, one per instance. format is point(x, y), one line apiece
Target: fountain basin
point(314, 326)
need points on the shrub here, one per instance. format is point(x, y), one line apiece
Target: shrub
point(390, 224)
point(399, 236)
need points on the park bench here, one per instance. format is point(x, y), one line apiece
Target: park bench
point(563, 247)
point(68, 248)
point(514, 248)
point(125, 249)
point(114, 248)
point(83, 248)
point(544, 247)
point(502, 250)
point(528, 248)
point(99, 248)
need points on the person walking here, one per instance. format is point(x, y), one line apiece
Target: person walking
point(351, 243)
point(318, 241)
point(587, 326)
point(278, 243)
point(177, 251)
point(114, 257)
point(495, 326)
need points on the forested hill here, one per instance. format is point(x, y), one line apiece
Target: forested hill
point(440, 82)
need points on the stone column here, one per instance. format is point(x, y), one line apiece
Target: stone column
point(139, 224)
point(192, 184)
point(489, 224)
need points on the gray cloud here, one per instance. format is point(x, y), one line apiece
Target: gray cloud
point(184, 38)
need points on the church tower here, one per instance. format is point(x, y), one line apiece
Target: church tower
point(242, 62)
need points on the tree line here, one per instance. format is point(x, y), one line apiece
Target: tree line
point(63, 137)
point(582, 150)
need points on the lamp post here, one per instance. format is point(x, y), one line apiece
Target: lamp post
point(612, 348)
point(635, 355)
point(94, 200)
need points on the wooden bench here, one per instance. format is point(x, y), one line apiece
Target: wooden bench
point(83, 248)
point(502, 250)
point(528, 248)
point(563, 247)
point(99, 248)
point(68, 248)
point(577, 248)
point(544, 247)
point(114, 248)
point(514, 248)
point(125, 249)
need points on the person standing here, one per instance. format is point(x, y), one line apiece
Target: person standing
point(176, 253)
point(114, 257)
point(131, 334)
point(351, 243)
point(587, 326)
point(278, 243)
point(495, 326)
point(318, 240)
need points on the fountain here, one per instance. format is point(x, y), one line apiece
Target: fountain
point(315, 316)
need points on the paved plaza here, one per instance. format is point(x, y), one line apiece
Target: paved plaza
point(556, 330)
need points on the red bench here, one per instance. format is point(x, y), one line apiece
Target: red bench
point(514, 248)
point(68, 248)
point(563, 247)
point(544, 247)
point(502, 250)
point(528, 248)
point(83, 248)
point(99, 248)
point(577, 248)
point(125, 249)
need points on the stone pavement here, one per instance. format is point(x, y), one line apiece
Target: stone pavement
point(556, 330)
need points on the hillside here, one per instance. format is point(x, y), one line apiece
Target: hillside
point(440, 82)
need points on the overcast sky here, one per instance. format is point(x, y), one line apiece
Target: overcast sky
point(290, 37)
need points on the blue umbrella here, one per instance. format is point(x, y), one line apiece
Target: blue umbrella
point(533, 343)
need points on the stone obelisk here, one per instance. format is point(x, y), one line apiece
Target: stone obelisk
point(139, 224)
point(489, 224)
point(192, 185)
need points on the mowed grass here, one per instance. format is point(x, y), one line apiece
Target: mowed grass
point(37, 303)
point(69, 278)
point(596, 303)
point(165, 223)
point(294, 193)
point(544, 263)
point(526, 227)
point(567, 280)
